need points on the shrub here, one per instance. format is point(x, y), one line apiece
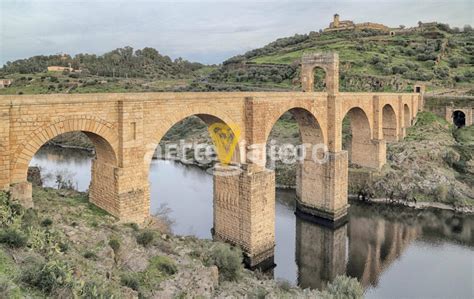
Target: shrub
point(49, 276)
point(130, 281)
point(13, 238)
point(451, 157)
point(441, 192)
point(145, 238)
point(284, 285)
point(29, 218)
point(114, 243)
point(93, 289)
point(163, 264)
point(46, 222)
point(90, 255)
point(345, 287)
point(228, 260)
point(441, 72)
point(134, 226)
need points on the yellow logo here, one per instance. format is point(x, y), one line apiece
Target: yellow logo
point(225, 139)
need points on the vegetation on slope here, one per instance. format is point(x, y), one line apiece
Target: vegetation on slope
point(433, 163)
point(369, 60)
point(65, 247)
point(120, 70)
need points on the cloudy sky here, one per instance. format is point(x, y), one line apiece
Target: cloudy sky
point(204, 31)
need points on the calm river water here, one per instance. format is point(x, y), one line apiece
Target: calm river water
point(394, 252)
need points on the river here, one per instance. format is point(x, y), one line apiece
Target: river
point(394, 252)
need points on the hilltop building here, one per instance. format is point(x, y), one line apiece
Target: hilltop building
point(5, 83)
point(55, 68)
point(338, 25)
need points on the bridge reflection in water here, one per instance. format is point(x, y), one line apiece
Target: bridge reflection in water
point(372, 240)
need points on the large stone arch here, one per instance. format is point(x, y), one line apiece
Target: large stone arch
point(361, 144)
point(310, 183)
point(389, 123)
point(100, 132)
point(208, 115)
point(309, 124)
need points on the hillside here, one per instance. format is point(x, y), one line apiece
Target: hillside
point(67, 248)
point(370, 60)
point(120, 70)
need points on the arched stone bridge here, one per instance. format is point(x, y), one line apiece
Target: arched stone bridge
point(126, 128)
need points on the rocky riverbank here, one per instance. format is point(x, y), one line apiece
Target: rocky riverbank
point(434, 163)
point(66, 247)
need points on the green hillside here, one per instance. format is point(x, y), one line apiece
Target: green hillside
point(121, 70)
point(370, 60)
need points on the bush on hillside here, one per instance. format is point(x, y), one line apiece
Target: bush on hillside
point(228, 260)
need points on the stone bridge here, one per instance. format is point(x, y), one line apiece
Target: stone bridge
point(126, 128)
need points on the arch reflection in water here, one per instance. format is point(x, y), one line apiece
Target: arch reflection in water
point(372, 247)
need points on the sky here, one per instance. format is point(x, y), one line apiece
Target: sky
point(202, 31)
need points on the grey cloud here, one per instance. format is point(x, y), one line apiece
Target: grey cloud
point(207, 31)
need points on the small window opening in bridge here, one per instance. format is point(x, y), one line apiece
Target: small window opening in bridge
point(417, 89)
point(319, 79)
point(459, 119)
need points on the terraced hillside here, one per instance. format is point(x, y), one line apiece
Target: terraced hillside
point(370, 60)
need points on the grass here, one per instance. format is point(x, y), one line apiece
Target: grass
point(465, 135)
point(42, 83)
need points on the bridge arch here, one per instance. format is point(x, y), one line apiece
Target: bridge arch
point(357, 136)
point(309, 124)
point(309, 179)
point(208, 115)
point(101, 134)
point(389, 123)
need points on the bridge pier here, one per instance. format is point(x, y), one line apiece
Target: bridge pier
point(22, 193)
point(244, 213)
point(370, 153)
point(324, 189)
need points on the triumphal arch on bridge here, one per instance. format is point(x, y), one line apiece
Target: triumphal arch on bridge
point(126, 128)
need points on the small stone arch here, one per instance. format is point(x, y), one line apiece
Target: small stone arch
point(459, 118)
point(329, 62)
point(101, 133)
point(389, 123)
